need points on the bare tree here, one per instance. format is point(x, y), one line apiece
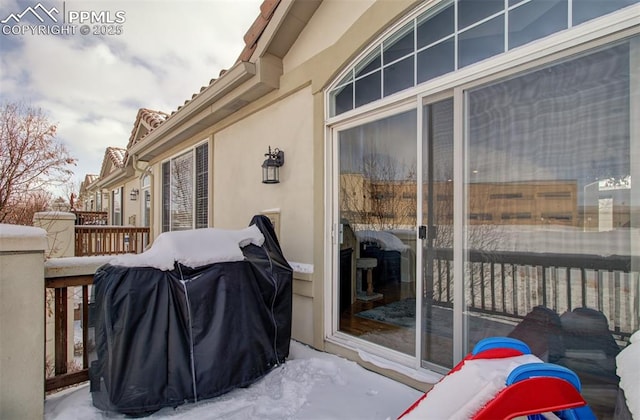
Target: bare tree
point(382, 196)
point(31, 159)
point(22, 211)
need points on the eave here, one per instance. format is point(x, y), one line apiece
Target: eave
point(243, 83)
point(116, 178)
point(252, 77)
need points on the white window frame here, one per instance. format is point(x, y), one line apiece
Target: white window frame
point(183, 152)
point(145, 187)
point(117, 192)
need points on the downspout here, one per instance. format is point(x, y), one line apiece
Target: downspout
point(147, 171)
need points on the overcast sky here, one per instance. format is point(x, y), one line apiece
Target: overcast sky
point(92, 86)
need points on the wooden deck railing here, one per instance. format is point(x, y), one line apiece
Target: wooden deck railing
point(62, 377)
point(110, 240)
point(90, 217)
point(510, 284)
point(604, 283)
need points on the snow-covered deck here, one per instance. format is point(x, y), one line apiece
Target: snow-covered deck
point(310, 385)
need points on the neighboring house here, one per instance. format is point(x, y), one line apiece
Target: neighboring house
point(137, 191)
point(494, 96)
point(111, 184)
point(86, 197)
point(123, 188)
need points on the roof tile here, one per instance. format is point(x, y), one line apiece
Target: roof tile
point(267, 8)
point(117, 156)
point(151, 118)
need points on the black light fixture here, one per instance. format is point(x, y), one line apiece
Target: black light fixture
point(271, 166)
point(133, 195)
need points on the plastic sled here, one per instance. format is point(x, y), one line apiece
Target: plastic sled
point(530, 387)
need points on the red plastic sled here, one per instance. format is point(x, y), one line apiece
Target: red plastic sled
point(530, 389)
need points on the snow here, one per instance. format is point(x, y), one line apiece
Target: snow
point(310, 385)
point(54, 214)
point(386, 240)
point(18, 231)
point(460, 394)
point(193, 248)
point(301, 267)
point(627, 368)
point(421, 376)
point(316, 385)
point(67, 262)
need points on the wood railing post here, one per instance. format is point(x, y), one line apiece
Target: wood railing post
point(60, 313)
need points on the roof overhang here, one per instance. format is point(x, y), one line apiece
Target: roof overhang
point(116, 178)
point(286, 24)
point(245, 82)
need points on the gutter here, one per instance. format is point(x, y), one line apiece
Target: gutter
point(242, 84)
point(114, 177)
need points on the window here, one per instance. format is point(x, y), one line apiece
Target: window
point(431, 45)
point(116, 210)
point(146, 200)
point(185, 190)
point(555, 132)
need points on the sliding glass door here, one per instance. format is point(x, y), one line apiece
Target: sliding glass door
point(377, 246)
point(551, 215)
point(496, 202)
point(436, 234)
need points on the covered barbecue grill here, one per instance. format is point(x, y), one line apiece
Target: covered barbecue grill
point(164, 337)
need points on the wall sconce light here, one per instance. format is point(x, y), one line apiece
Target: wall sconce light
point(271, 166)
point(133, 195)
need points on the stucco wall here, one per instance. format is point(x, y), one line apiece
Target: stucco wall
point(324, 29)
point(21, 321)
point(238, 156)
point(131, 207)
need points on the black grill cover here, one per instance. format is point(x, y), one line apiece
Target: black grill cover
point(163, 338)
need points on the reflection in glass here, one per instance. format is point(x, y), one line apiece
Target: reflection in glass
point(437, 215)
point(435, 26)
point(584, 10)
point(536, 20)
point(472, 11)
point(342, 99)
point(181, 201)
point(368, 64)
point(368, 89)
point(377, 236)
point(480, 42)
point(436, 60)
point(399, 45)
point(549, 222)
point(398, 76)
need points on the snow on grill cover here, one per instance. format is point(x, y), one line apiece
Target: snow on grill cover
point(163, 338)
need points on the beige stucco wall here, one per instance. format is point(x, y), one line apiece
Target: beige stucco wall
point(131, 208)
point(239, 191)
point(60, 227)
point(21, 322)
point(324, 29)
point(240, 194)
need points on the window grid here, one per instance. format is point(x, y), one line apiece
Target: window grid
point(192, 197)
point(421, 19)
